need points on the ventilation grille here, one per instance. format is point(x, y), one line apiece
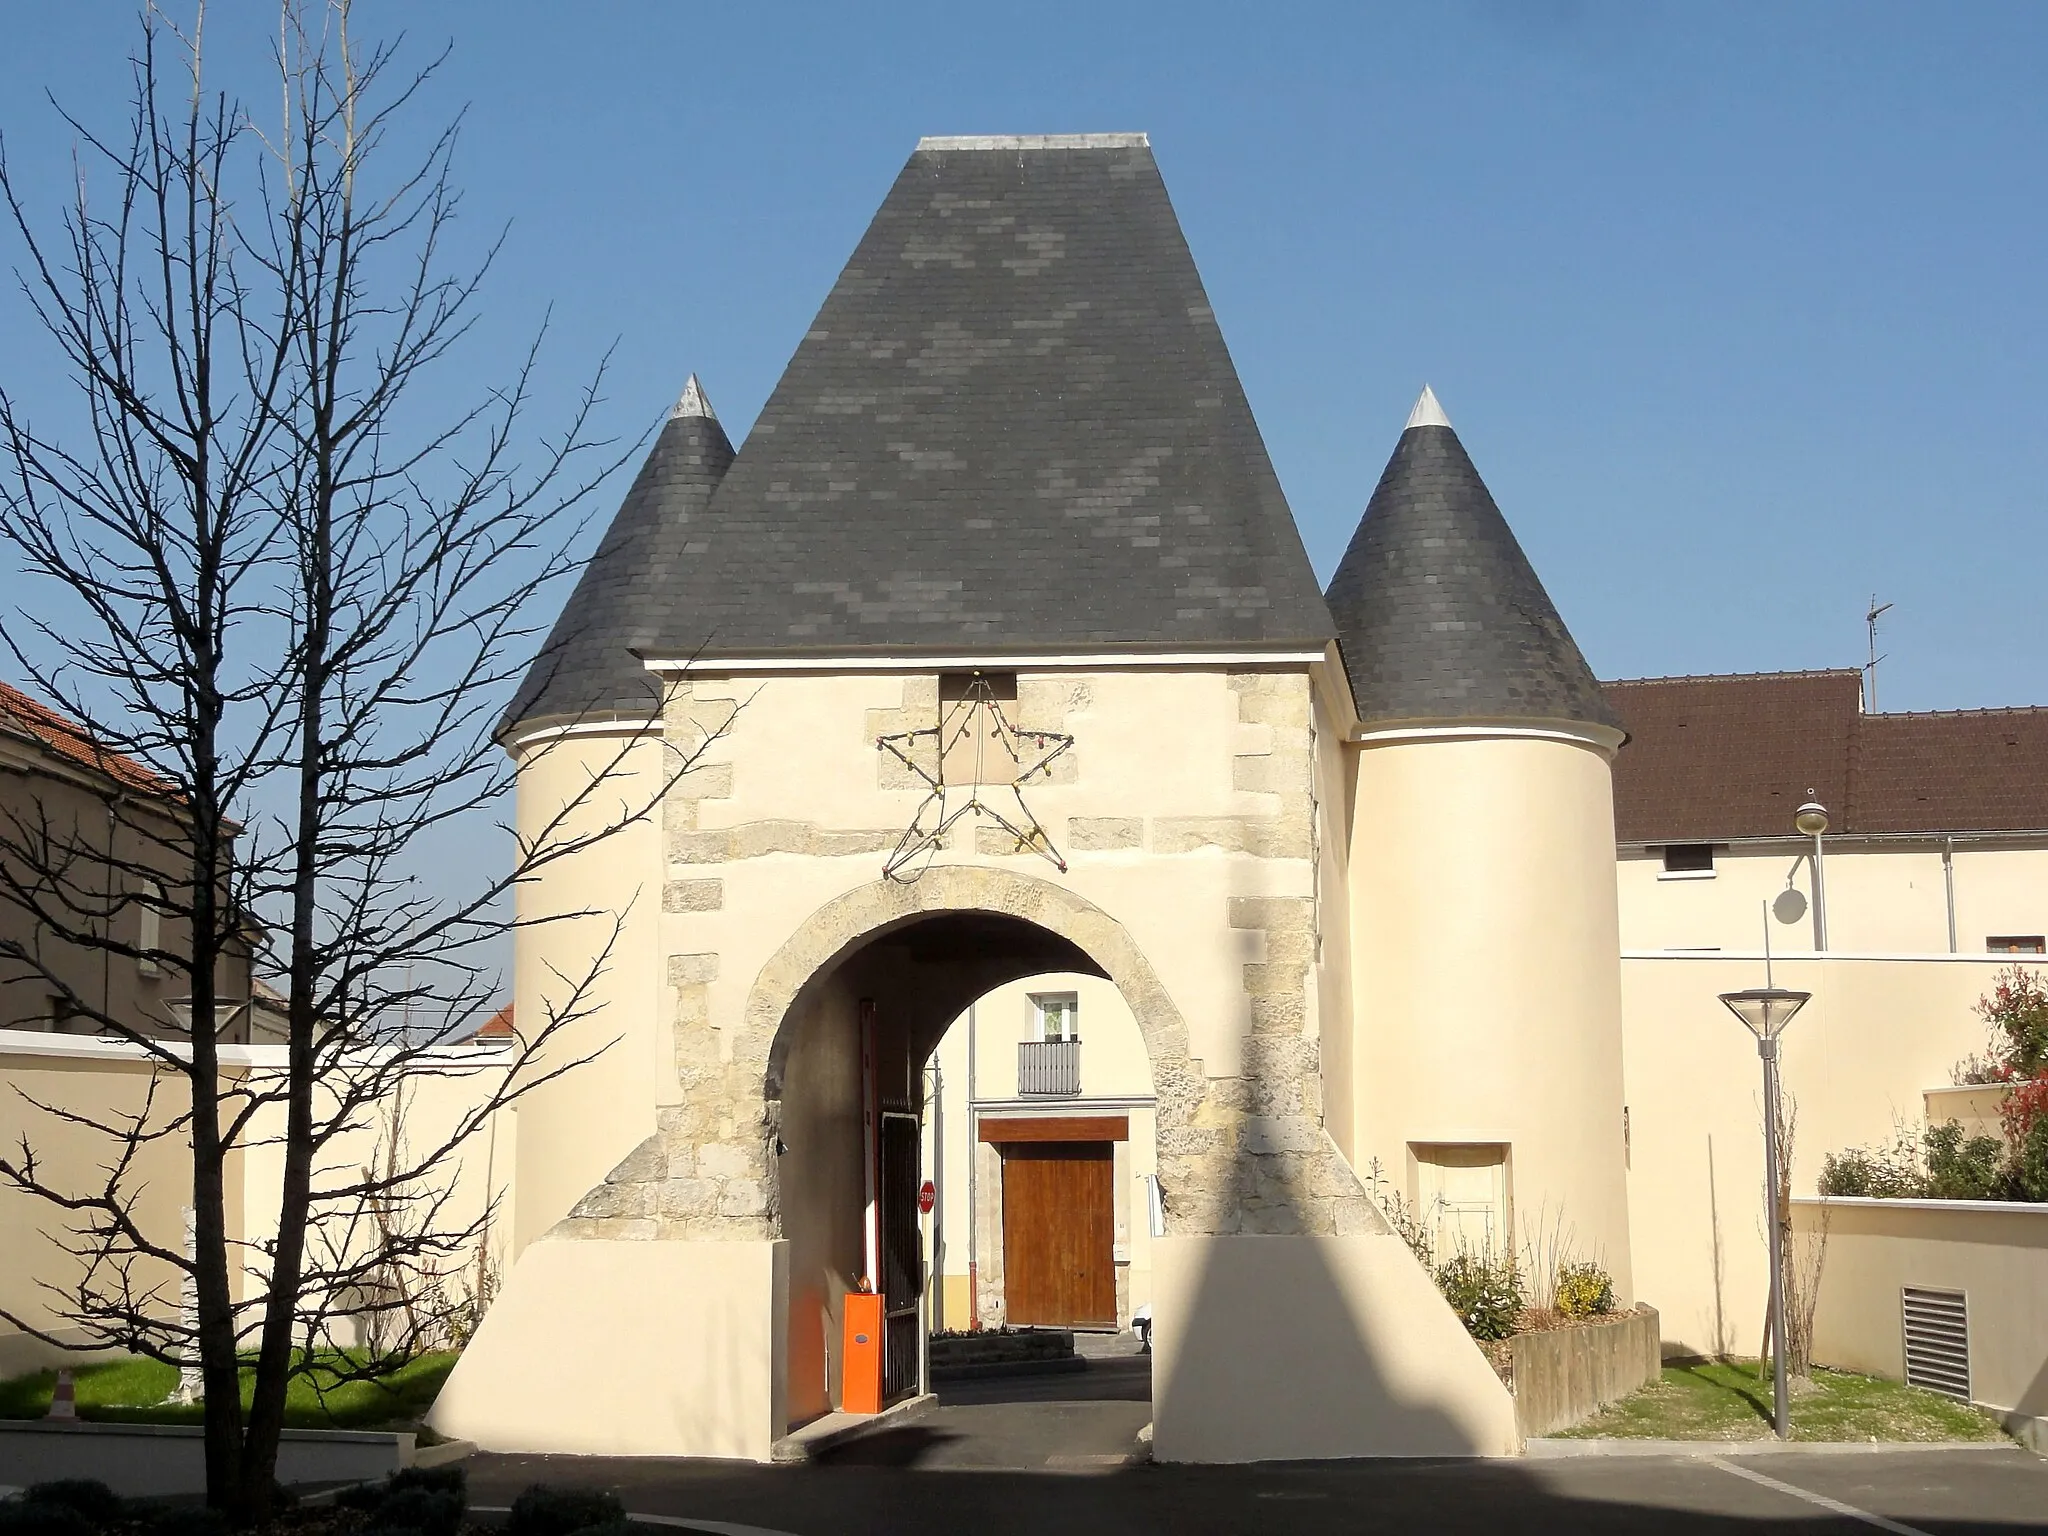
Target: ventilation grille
point(1937, 1327)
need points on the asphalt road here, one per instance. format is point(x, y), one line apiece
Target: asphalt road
point(1038, 1454)
point(1905, 1493)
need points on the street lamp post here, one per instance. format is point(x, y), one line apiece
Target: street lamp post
point(1766, 1011)
point(1812, 820)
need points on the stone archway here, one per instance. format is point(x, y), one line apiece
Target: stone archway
point(869, 912)
point(1245, 1154)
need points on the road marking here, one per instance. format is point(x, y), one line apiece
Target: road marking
point(1834, 1506)
point(680, 1522)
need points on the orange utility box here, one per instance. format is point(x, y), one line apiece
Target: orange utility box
point(860, 1370)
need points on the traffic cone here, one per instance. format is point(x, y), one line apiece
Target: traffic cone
point(64, 1398)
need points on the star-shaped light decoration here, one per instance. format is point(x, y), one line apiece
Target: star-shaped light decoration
point(977, 717)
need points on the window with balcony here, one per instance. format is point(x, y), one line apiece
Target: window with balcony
point(1050, 1065)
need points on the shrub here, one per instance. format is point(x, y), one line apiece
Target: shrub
point(1584, 1290)
point(426, 1501)
point(2017, 1011)
point(1963, 1170)
point(1485, 1292)
point(445, 1479)
point(187, 1520)
point(430, 1511)
point(25, 1517)
point(94, 1500)
point(545, 1511)
point(1889, 1172)
point(2030, 1161)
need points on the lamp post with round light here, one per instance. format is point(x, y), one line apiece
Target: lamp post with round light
point(1766, 1011)
point(1812, 820)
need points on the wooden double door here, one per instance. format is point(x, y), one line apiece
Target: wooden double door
point(1059, 1233)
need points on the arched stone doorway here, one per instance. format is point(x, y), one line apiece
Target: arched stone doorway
point(860, 997)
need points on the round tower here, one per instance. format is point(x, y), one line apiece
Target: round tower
point(1486, 1057)
point(585, 730)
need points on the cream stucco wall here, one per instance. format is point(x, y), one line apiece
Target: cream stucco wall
point(1273, 1348)
point(1885, 897)
point(1996, 1254)
point(1486, 982)
point(1856, 1062)
point(34, 1237)
point(434, 1106)
point(606, 896)
point(628, 1349)
point(107, 1080)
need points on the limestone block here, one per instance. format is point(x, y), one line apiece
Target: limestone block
point(1283, 1133)
point(689, 1197)
point(686, 970)
point(1093, 834)
point(649, 1160)
point(693, 896)
point(1279, 837)
point(726, 1161)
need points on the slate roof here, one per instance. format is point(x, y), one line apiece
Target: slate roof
point(1439, 614)
point(587, 670)
point(1012, 427)
point(1716, 758)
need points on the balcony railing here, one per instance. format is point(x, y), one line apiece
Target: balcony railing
point(1048, 1069)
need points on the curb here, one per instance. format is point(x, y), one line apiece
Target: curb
point(981, 1370)
point(441, 1454)
point(1540, 1449)
point(837, 1429)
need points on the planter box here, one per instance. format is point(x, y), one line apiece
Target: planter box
point(1037, 1344)
point(149, 1460)
point(1564, 1376)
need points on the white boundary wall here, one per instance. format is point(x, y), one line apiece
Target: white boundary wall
point(1994, 1252)
point(105, 1078)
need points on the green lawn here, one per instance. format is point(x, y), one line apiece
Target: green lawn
point(1725, 1400)
point(133, 1391)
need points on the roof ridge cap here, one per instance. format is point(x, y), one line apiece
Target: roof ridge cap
point(1731, 677)
point(1953, 714)
point(1027, 141)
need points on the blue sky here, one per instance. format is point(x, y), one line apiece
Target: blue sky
point(1739, 308)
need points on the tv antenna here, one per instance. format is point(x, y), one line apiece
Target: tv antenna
point(1870, 667)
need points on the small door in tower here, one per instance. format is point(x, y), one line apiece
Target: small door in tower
point(1462, 1193)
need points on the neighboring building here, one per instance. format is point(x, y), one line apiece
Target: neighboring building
point(1934, 877)
point(985, 697)
point(1937, 838)
point(111, 823)
point(1045, 1085)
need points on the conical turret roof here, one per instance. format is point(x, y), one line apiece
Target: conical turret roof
point(588, 669)
point(1439, 614)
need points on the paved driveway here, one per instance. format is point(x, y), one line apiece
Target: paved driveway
point(1996, 1491)
point(1048, 1454)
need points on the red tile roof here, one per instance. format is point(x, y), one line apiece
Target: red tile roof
point(1713, 758)
point(497, 1027)
point(70, 740)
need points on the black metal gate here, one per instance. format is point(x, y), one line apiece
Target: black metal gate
point(902, 1254)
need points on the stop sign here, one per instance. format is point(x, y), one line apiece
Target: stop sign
point(927, 1197)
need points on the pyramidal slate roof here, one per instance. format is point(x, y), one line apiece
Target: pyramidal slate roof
point(1013, 427)
point(1439, 614)
point(588, 669)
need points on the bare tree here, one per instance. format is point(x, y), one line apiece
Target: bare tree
point(275, 577)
